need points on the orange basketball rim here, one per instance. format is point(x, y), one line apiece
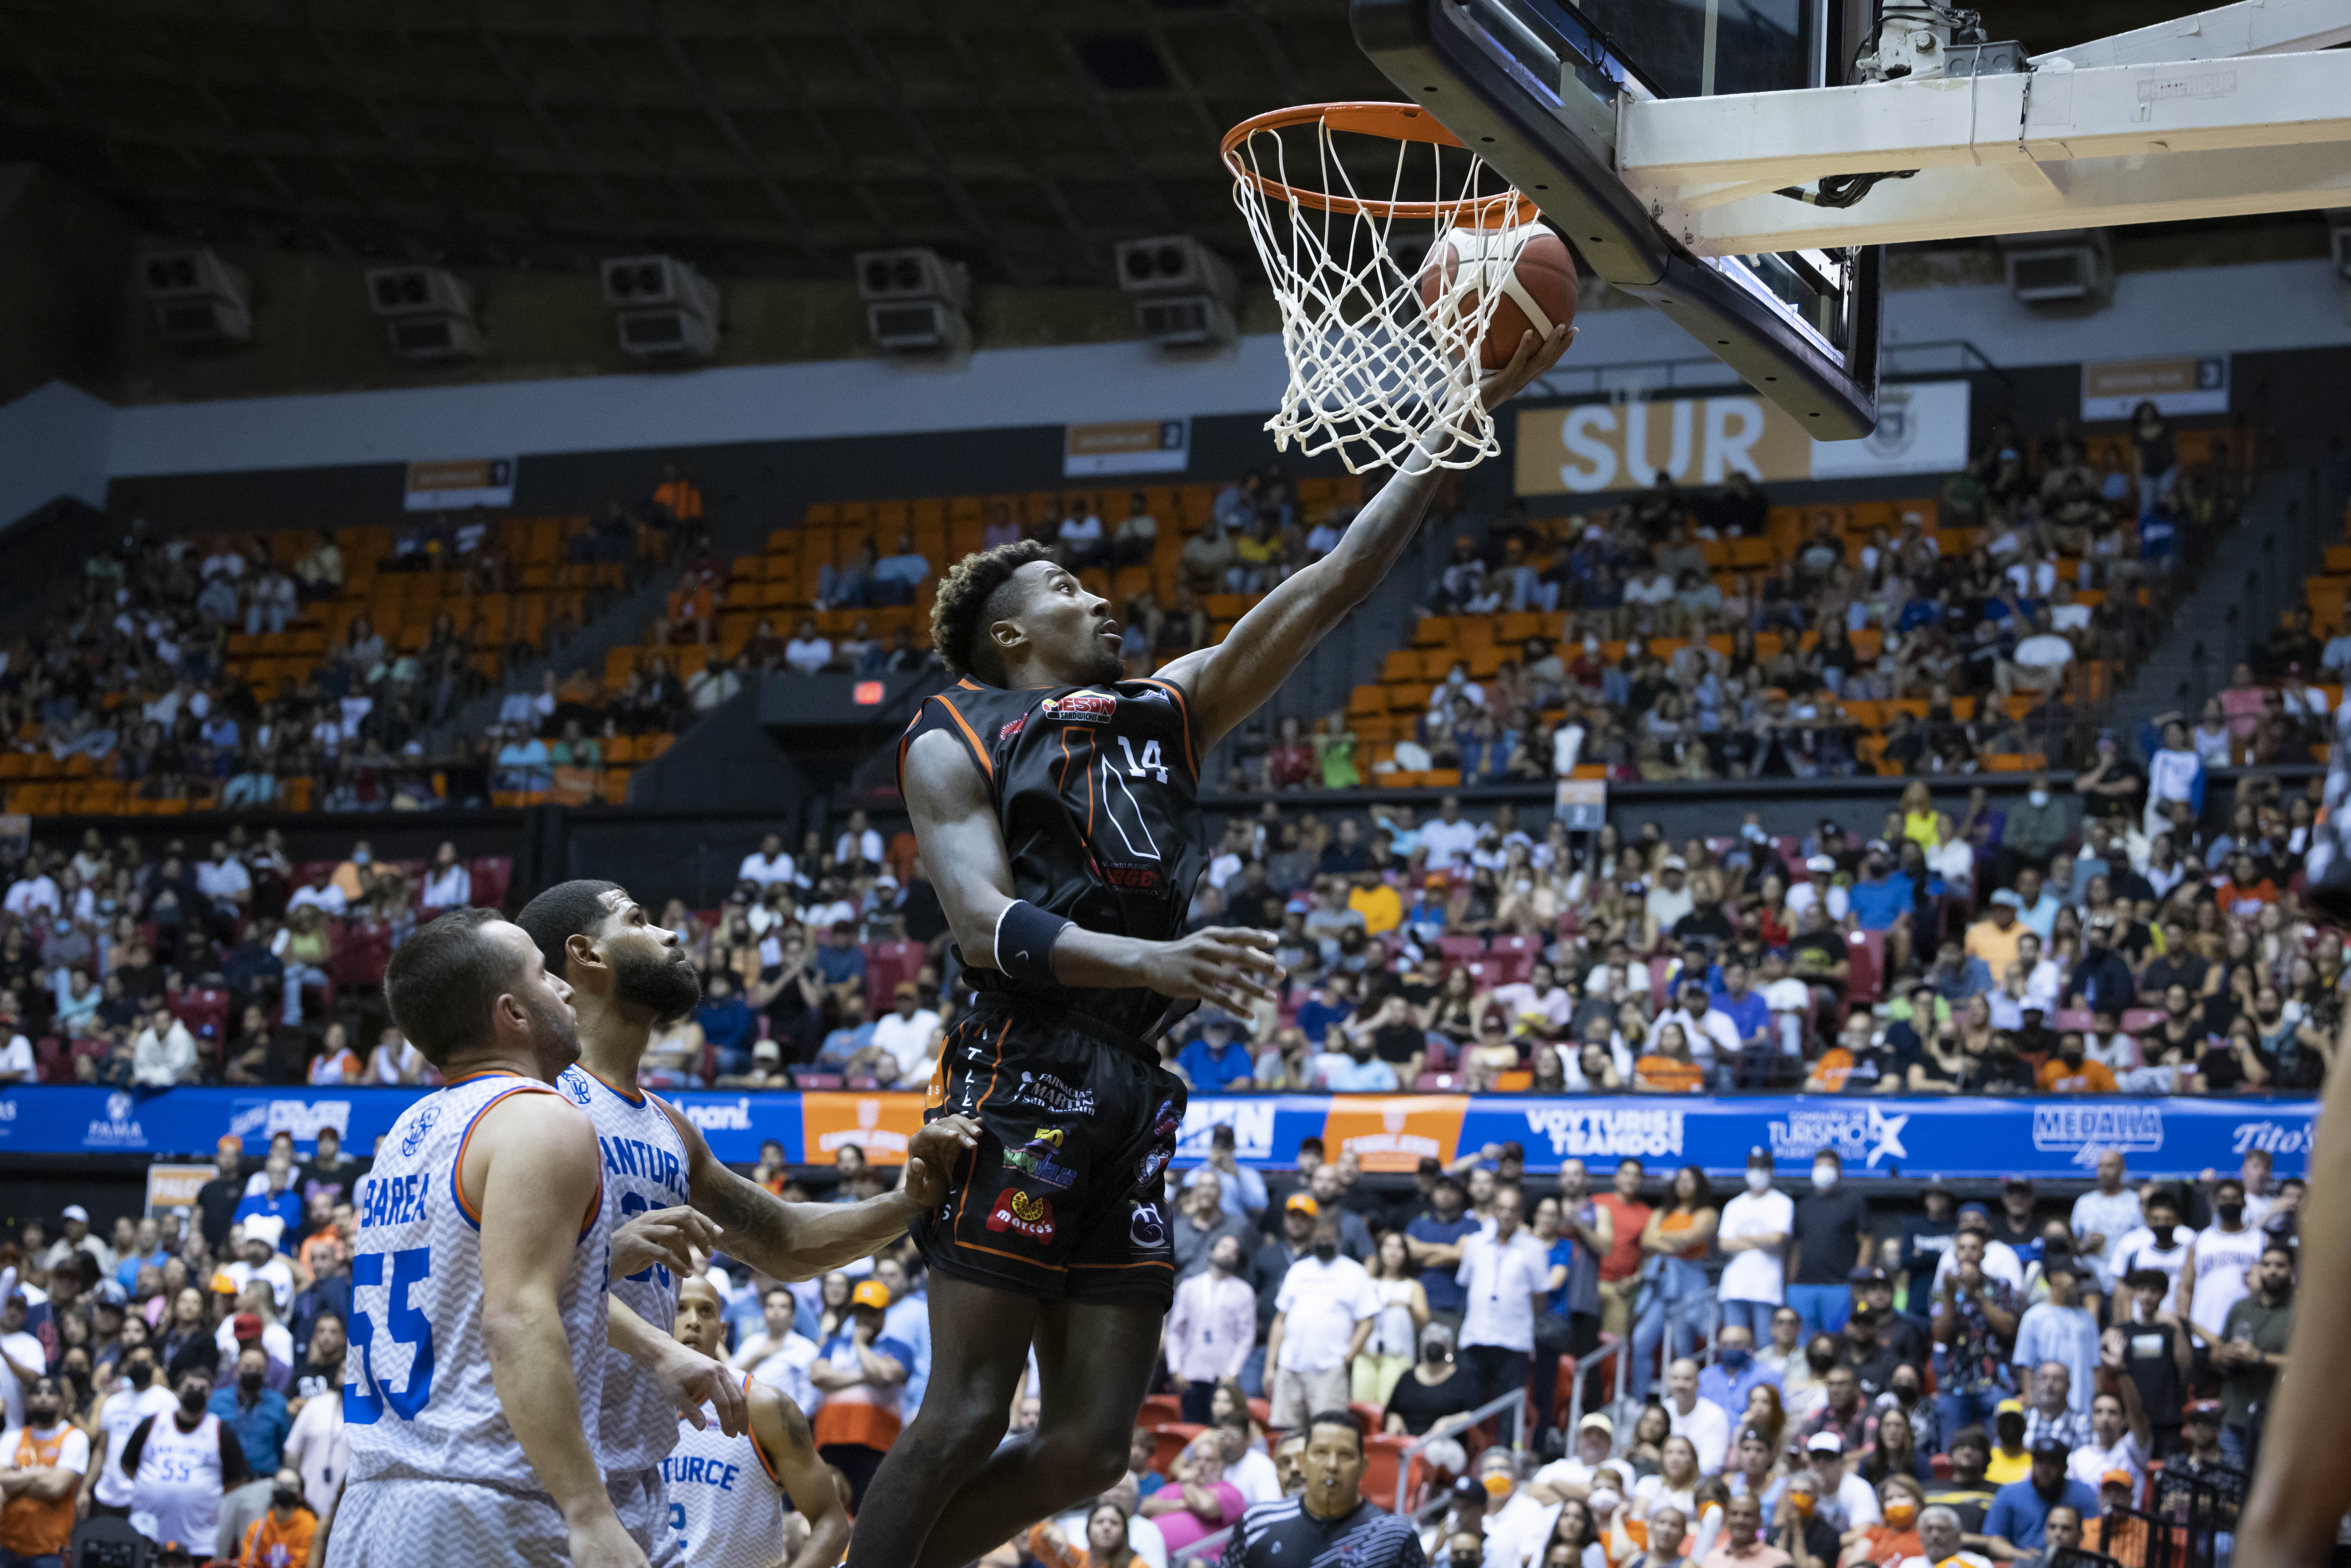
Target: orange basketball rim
point(1390, 122)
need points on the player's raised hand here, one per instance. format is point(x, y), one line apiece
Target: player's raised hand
point(1534, 356)
point(669, 1237)
point(1228, 965)
point(931, 1155)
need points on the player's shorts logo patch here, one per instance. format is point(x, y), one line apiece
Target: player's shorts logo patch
point(1145, 1230)
point(1023, 1214)
point(1164, 1125)
point(1047, 1093)
point(1036, 1159)
point(421, 1130)
point(1080, 707)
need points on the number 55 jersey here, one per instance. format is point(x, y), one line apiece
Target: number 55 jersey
point(418, 1402)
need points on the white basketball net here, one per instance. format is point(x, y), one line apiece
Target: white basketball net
point(1371, 369)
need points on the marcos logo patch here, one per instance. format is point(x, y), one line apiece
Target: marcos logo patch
point(1024, 1214)
point(1012, 728)
point(1080, 707)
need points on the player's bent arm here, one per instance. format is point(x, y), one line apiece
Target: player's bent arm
point(533, 1164)
point(783, 1436)
point(803, 1240)
point(1234, 678)
point(963, 849)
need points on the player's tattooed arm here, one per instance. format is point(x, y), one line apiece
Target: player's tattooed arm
point(802, 1240)
point(783, 1434)
point(1238, 675)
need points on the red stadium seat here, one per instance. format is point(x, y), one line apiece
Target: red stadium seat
point(1157, 1409)
point(491, 874)
point(1461, 949)
point(886, 964)
point(1865, 953)
point(1171, 1437)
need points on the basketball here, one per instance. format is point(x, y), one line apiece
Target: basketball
point(1539, 295)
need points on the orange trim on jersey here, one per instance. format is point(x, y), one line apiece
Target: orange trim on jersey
point(756, 1446)
point(1016, 1258)
point(485, 1072)
point(996, 1067)
point(457, 1165)
point(965, 725)
point(1184, 711)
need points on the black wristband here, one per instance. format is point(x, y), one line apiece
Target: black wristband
point(1025, 935)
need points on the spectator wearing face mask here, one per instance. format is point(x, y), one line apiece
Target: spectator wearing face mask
point(1831, 1235)
point(1323, 1315)
point(254, 1411)
point(1754, 1234)
point(2160, 1245)
point(2221, 1258)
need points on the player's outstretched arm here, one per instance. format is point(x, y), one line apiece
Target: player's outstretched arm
point(2305, 1482)
point(782, 1434)
point(1233, 679)
point(801, 1241)
point(963, 852)
point(531, 1170)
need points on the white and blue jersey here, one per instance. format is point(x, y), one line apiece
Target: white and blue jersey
point(644, 1168)
point(726, 1506)
point(418, 1400)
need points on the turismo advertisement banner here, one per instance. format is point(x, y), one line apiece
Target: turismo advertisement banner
point(1595, 447)
point(2052, 1137)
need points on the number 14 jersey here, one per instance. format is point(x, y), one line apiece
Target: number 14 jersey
point(1094, 789)
point(418, 1401)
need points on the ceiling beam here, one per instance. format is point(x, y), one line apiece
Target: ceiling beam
point(691, 75)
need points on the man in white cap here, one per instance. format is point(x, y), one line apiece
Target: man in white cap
point(258, 1259)
point(77, 1238)
point(1840, 1497)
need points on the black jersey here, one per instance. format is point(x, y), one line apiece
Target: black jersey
point(1283, 1534)
point(1094, 788)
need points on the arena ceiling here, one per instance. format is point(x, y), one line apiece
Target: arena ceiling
point(755, 137)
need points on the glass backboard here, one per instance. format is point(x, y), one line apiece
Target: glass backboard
point(1535, 86)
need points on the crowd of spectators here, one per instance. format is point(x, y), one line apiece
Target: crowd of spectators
point(229, 964)
point(1659, 659)
point(235, 672)
point(1852, 1383)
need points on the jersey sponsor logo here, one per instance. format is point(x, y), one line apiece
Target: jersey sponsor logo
point(1135, 878)
point(1014, 727)
point(1145, 1231)
point(420, 1130)
point(1080, 707)
point(574, 1082)
point(1048, 1092)
point(1023, 1214)
point(1037, 1159)
point(1164, 1124)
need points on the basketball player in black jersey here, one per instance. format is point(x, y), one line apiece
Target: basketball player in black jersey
point(1054, 804)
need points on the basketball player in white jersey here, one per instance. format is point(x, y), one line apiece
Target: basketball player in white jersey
point(474, 1381)
point(727, 1494)
point(627, 978)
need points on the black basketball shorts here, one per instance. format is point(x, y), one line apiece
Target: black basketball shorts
point(1065, 1197)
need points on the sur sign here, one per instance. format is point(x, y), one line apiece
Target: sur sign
point(1594, 447)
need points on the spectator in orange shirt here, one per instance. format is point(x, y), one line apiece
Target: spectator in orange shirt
point(1667, 1069)
point(2071, 1072)
point(2244, 890)
point(678, 496)
point(280, 1538)
point(1853, 1065)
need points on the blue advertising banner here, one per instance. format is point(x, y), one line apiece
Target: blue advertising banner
point(2050, 1136)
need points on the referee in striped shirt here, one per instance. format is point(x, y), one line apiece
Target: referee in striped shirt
point(1330, 1518)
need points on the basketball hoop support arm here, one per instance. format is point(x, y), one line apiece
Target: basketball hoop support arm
point(2219, 129)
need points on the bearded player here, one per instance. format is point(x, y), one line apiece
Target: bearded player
point(1054, 804)
point(628, 976)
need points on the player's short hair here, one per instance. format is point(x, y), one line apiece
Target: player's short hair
point(967, 601)
point(1338, 1419)
point(568, 909)
point(442, 981)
